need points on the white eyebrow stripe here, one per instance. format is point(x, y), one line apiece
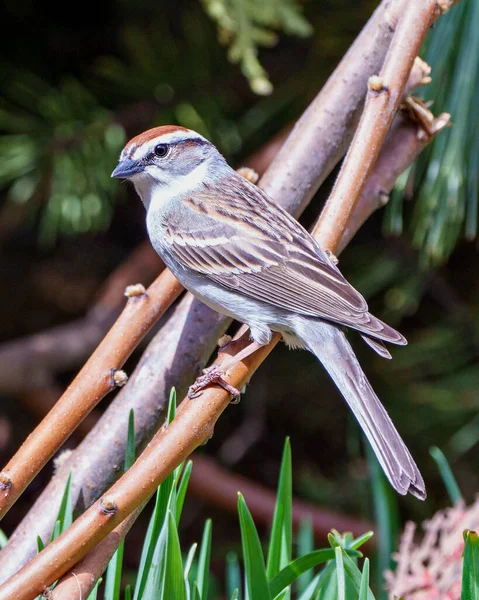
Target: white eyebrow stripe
point(166, 138)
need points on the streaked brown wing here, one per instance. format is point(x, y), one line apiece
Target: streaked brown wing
point(268, 255)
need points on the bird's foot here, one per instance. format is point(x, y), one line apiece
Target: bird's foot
point(212, 375)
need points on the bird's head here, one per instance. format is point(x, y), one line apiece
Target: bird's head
point(170, 160)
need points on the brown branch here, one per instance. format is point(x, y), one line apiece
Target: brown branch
point(91, 384)
point(43, 354)
point(79, 582)
point(384, 95)
point(405, 140)
point(346, 71)
point(219, 487)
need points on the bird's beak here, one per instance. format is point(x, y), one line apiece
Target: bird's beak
point(127, 168)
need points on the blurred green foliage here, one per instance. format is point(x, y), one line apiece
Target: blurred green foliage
point(52, 137)
point(58, 143)
point(444, 182)
point(244, 25)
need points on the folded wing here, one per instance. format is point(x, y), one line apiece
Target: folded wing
point(249, 244)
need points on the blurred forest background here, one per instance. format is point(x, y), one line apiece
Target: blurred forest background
point(77, 83)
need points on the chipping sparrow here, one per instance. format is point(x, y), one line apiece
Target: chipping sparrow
point(238, 251)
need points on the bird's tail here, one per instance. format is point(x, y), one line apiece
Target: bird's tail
point(331, 347)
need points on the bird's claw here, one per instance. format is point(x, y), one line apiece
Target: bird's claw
point(211, 375)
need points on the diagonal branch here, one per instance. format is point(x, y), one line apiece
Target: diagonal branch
point(404, 142)
point(384, 96)
point(92, 383)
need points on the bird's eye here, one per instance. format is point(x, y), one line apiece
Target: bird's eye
point(161, 150)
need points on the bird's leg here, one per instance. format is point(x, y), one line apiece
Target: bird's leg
point(227, 344)
point(215, 373)
point(211, 375)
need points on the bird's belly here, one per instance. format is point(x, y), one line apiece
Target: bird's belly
point(231, 303)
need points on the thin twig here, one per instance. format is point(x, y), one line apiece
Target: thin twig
point(91, 384)
point(384, 95)
point(405, 140)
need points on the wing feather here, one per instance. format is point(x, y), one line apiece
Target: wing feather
point(267, 256)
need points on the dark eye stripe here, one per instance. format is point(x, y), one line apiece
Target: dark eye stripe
point(152, 156)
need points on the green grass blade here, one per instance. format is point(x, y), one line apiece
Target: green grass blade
point(305, 546)
point(40, 544)
point(309, 592)
point(233, 574)
point(255, 570)
point(189, 561)
point(94, 593)
point(3, 539)
point(235, 594)
point(447, 475)
point(354, 574)
point(359, 541)
point(279, 553)
point(57, 529)
point(156, 572)
point(387, 518)
point(152, 534)
point(173, 582)
point(470, 568)
point(128, 592)
point(328, 584)
point(171, 406)
point(181, 492)
point(364, 587)
point(196, 593)
point(340, 575)
point(164, 499)
point(130, 442)
point(115, 566)
point(296, 568)
point(204, 561)
point(113, 574)
point(65, 512)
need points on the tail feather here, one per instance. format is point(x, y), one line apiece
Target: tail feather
point(377, 329)
point(331, 347)
point(377, 345)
